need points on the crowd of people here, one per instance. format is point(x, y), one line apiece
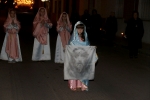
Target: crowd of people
point(134, 30)
point(41, 49)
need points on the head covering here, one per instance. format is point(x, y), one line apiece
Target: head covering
point(60, 21)
point(9, 20)
point(75, 40)
point(40, 32)
point(38, 18)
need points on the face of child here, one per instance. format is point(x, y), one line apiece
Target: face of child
point(64, 17)
point(12, 14)
point(79, 30)
point(42, 12)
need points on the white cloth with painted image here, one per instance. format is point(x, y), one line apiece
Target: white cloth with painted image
point(80, 62)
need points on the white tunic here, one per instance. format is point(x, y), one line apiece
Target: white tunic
point(59, 53)
point(41, 52)
point(4, 55)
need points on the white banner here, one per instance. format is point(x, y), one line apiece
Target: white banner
point(80, 62)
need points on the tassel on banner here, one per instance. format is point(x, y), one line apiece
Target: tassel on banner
point(43, 50)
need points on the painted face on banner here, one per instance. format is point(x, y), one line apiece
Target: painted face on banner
point(80, 63)
point(79, 59)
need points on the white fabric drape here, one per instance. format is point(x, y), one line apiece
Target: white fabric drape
point(41, 52)
point(4, 55)
point(59, 53)
point(80, 62)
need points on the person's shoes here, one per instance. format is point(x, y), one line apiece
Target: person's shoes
point(13, 61)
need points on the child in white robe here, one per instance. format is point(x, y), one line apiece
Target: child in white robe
point(11, 46)
point(41, 49)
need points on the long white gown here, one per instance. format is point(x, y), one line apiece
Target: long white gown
point(4, 55)
point(41, 52)
point(59, 53)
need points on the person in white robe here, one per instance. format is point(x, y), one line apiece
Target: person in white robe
point(11, 47)
point(78, 38)
point(64, 28)
point(41, 48)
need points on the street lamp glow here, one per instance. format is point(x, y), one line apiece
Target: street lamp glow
point(24, 2)
point(44, 0)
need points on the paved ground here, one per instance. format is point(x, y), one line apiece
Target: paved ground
point(117, 76)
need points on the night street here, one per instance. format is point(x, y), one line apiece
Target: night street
point(117, 77)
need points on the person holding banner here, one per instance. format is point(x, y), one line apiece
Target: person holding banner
point(79, 38)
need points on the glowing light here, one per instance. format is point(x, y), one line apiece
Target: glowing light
point(122, 33)
point(24, 2)
point(44, 0)
point(16, 6)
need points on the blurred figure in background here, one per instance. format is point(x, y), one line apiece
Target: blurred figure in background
point(86, 18)
point(111, 28)
point(134, 32)
point(96, 24)
point(74, 17)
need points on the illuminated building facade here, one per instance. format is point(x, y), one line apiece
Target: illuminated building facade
point(24, 3)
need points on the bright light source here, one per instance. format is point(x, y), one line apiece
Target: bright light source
point(24, 2)
point(44, 0)
point(16, 6)
point(122, 33)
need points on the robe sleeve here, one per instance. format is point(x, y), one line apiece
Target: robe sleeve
point(47, 25)
point(10, 26)
point(69, 28)
point(35, 22)
point(59, 28)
